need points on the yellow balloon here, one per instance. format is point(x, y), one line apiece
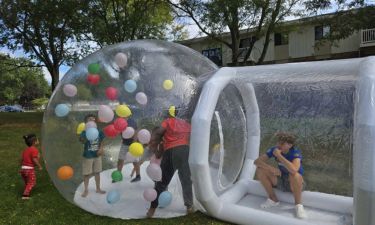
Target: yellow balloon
point(136, 149)
point(80, 128)
point(168, 84)
point(123, 111)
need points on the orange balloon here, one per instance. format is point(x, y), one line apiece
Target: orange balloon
point(65, 172)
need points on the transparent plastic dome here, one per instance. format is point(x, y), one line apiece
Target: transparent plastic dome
point(147, 68)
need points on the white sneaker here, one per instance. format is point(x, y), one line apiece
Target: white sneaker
point(300, 211)
point(269, 203)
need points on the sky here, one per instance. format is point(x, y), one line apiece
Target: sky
point(190, 26)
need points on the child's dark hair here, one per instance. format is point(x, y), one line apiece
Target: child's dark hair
point(286, 137)
point(29, 139)
point(88, 116)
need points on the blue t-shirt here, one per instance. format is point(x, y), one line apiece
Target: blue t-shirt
point(293, 153)
point(91, 148)
point(133, 124)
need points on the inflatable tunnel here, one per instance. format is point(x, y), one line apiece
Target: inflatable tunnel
point(331, 100)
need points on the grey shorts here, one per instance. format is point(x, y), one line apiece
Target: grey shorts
point(283, 183)
point(91, 165)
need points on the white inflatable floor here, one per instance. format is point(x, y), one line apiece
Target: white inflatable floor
point(131, 205)
point(315, 216)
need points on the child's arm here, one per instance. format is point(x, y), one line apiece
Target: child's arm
point(36, 162)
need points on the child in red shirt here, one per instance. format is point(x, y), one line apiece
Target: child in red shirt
point(30, 158)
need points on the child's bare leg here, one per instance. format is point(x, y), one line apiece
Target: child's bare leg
point(97, 182)
point(86, 185)
point(120, 164)
point(296, 181)
point(267, 180)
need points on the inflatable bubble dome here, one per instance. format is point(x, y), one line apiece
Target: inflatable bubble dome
point(138, 80)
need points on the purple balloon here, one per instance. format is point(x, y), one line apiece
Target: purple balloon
point(105, 114)
point(141, 98)
point(70, 90)
point(128, 132)
point(154, 172)
point(144, 136)
point(155, 160)
point(90, 124)
point(150, 194)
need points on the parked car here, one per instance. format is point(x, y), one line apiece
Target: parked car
point(11, 108)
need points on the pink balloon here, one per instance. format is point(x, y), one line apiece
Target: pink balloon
point(121, 60)
point(128, 132)
point(141, 98)
point(155, 160)
point(154, 172)
point(105, 114)
point(120, 124)
point(111, 93)
point(144, 136)
point(90, 124)
point(150, 194)
point(70, 90)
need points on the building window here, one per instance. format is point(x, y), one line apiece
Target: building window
point(214, 54)
point(321, 32)
point(246, 42)
point(281, 39)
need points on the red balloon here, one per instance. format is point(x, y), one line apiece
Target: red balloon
point(110, 131)
point(111, 93)
point(120, 124)
point(93, 79)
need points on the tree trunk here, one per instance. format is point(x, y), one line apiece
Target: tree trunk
point(55, 75)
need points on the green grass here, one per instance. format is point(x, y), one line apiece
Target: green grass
point(47, 206)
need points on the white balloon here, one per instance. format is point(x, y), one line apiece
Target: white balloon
point(154, 172)
point(121, 60)
point(70, 90)
point(144, 136)
point(105, 114)
point(128, 132)
point(141, 98)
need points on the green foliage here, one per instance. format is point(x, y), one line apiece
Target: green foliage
point(20, 82)
point(113, 21)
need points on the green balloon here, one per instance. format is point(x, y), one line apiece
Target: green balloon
point(116, 176)
point(94, 68)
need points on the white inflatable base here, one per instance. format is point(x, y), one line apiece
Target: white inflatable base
point(131, 205)
point(315, 216)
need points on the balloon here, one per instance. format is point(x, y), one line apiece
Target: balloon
point(94, 68)
point(81, 127)
point(65, 173)
point(121, 60)
point(111, 93)
point(128, 132)
point(120, 124)
point(141, 98)
point(144, 136)
point(105, 114)
point(93, 79)
point(116, 176)
point(92, 134)
point(168, 84)
point(110, 131)
point(165, 198)
point(155, 160)
point(136, 149)
point(113, 196)
point(150, 194)
point(123, 111)
point(90, 124)
point(62, 110)
point(70, 90)
point(154, 172)
point(130, 86)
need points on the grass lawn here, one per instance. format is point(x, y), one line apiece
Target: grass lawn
point(47, 206)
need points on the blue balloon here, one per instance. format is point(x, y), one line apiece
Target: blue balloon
point(130, 86)
point(92, 134)
point(113, 196)
point(62, 110)
point(165, 198)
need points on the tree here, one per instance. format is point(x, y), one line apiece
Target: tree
point(348, 17)
point(114, 21)
point(44, 30)
point(217, 16)
point(21, 81)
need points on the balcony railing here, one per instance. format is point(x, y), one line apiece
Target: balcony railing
point(368, 37)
